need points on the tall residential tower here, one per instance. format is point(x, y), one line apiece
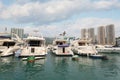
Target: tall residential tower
point(110, 35)
point(83, 33)
point(18, 31)
point(101, 35)
point(91, 35)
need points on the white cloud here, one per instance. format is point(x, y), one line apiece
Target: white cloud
point(1, 5)
point(51, 11)
point(73, 29)
point(105, 4)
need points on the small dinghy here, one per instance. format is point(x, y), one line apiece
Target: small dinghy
point(98, 56)
point(75, 58)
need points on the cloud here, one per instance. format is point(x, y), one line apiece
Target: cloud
point(1, 7)
point(46, 13)
point(105, 4)
point(26, 1)
point(74, 28)
point(50, 11)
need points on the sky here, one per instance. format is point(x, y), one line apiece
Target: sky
point(52, 17)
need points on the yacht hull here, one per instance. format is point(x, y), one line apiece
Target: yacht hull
point(98, 57)
point(28, 51)
point(62, 51)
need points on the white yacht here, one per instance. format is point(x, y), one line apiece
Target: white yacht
point(61, 47)
point(107, 49)
point(35, 46)
point(83, 47)
point(7, 45)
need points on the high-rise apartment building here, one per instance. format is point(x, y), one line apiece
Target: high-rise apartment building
point(101, 35)
point(91, 35)
point(110, 35)
point(18, 31)
point(83, 33)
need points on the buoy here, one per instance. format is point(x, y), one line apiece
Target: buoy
point(75, 58)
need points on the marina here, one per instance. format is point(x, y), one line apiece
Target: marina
point(64, 59)
point(33, 60)
point(59, 40)
point(60, 68)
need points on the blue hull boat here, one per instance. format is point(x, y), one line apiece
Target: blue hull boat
point(97, 56)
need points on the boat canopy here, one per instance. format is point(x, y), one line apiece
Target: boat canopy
point(64, 45)
point(83, 42)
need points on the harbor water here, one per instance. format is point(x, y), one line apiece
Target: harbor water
point(60, 68)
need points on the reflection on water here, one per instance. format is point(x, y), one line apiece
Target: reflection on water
point(32, 69)
point(5, 64)
point(16, 69)
point(111, 68)
point(60, 68)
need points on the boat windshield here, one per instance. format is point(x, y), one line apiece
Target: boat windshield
point(81, 44)
point(35, 43)
point(5, 37)
point(60, 42)
point(8, 44)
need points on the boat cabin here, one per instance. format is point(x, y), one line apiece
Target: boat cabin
point(37, 43)
point(5, 40)
point(63, 48)
point(7, 43)
point(83, 42)
point(60, 42)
